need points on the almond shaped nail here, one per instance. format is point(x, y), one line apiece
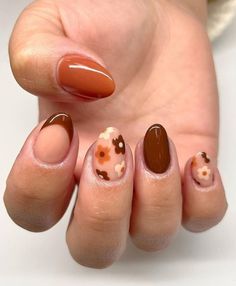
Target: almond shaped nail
point(54, 139)
point(109, 155)
point(62, 119)
point(156, 149)
point(84, 78)
point(202, 169)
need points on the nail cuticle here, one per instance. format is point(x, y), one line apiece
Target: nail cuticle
point(202, 188)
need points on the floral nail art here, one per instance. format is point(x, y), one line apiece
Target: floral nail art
point(119, 168)
point(202, 169)
point(205, 157)
point(102, 154)
point(106, 134)
point(109, 155)
point(204, 173)
point(119, 145)
point(102, 174)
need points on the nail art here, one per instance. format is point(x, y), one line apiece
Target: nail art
point(202, 169)
point(54, 139)
point(109, 155)
point(62, 119)
point(156, 149)
point(84, 78)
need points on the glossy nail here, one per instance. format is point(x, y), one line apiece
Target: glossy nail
point(84, 78)
point(54, 139)
point(156, 149)
point(109, 155)
point(202, 169)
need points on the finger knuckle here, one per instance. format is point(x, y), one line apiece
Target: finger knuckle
point(101, 219)
point(150, 243)
point(21, 59)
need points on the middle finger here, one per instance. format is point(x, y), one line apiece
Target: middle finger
point(157, 206)
point(99, 227)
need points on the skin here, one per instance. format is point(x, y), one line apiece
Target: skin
point(166, 76)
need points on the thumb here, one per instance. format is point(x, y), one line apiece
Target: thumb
point(47, 63)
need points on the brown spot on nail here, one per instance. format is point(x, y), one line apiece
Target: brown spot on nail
point(205, 157)
point(102, 174)
point(119, 145)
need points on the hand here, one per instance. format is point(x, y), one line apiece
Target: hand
point(159, 56)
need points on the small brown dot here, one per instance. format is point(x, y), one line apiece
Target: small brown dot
point(204, 173)
point(102, 154)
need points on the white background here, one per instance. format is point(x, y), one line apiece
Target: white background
point(43, 259)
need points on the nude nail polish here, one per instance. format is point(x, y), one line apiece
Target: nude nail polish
point(156, 149)
point(109, 155)
point(84, 78)
point(202, 169)
point(54, 139)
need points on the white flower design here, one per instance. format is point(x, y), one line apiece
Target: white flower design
point(204, 173)
point(121, 144)
point(106, 134)
point(119, 168)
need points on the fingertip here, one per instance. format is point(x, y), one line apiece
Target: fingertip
point(204, 200)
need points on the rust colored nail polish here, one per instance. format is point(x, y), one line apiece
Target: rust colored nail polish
point(62, 119)
point(156, 149)
point(84, 78)
point(202, 169)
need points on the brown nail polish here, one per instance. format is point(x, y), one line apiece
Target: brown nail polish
point(62, 119)
point(156, 149)
point(84, 78)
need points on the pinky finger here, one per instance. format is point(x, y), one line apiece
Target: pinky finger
point(204, 201)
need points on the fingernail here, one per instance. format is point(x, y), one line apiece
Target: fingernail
point(54, 139)
point(156, 149)
point(84, 78)
point(109, 155)
point(202, 169)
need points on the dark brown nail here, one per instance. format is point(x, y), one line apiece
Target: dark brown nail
point(156, 149)
point(62, 119)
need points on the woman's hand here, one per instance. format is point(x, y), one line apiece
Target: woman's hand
point(158, 56)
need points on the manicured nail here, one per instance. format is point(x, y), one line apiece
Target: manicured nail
point(109, 155)
point(156, 149)
point(202, 169)
point(54, 139)
point(84, 78)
